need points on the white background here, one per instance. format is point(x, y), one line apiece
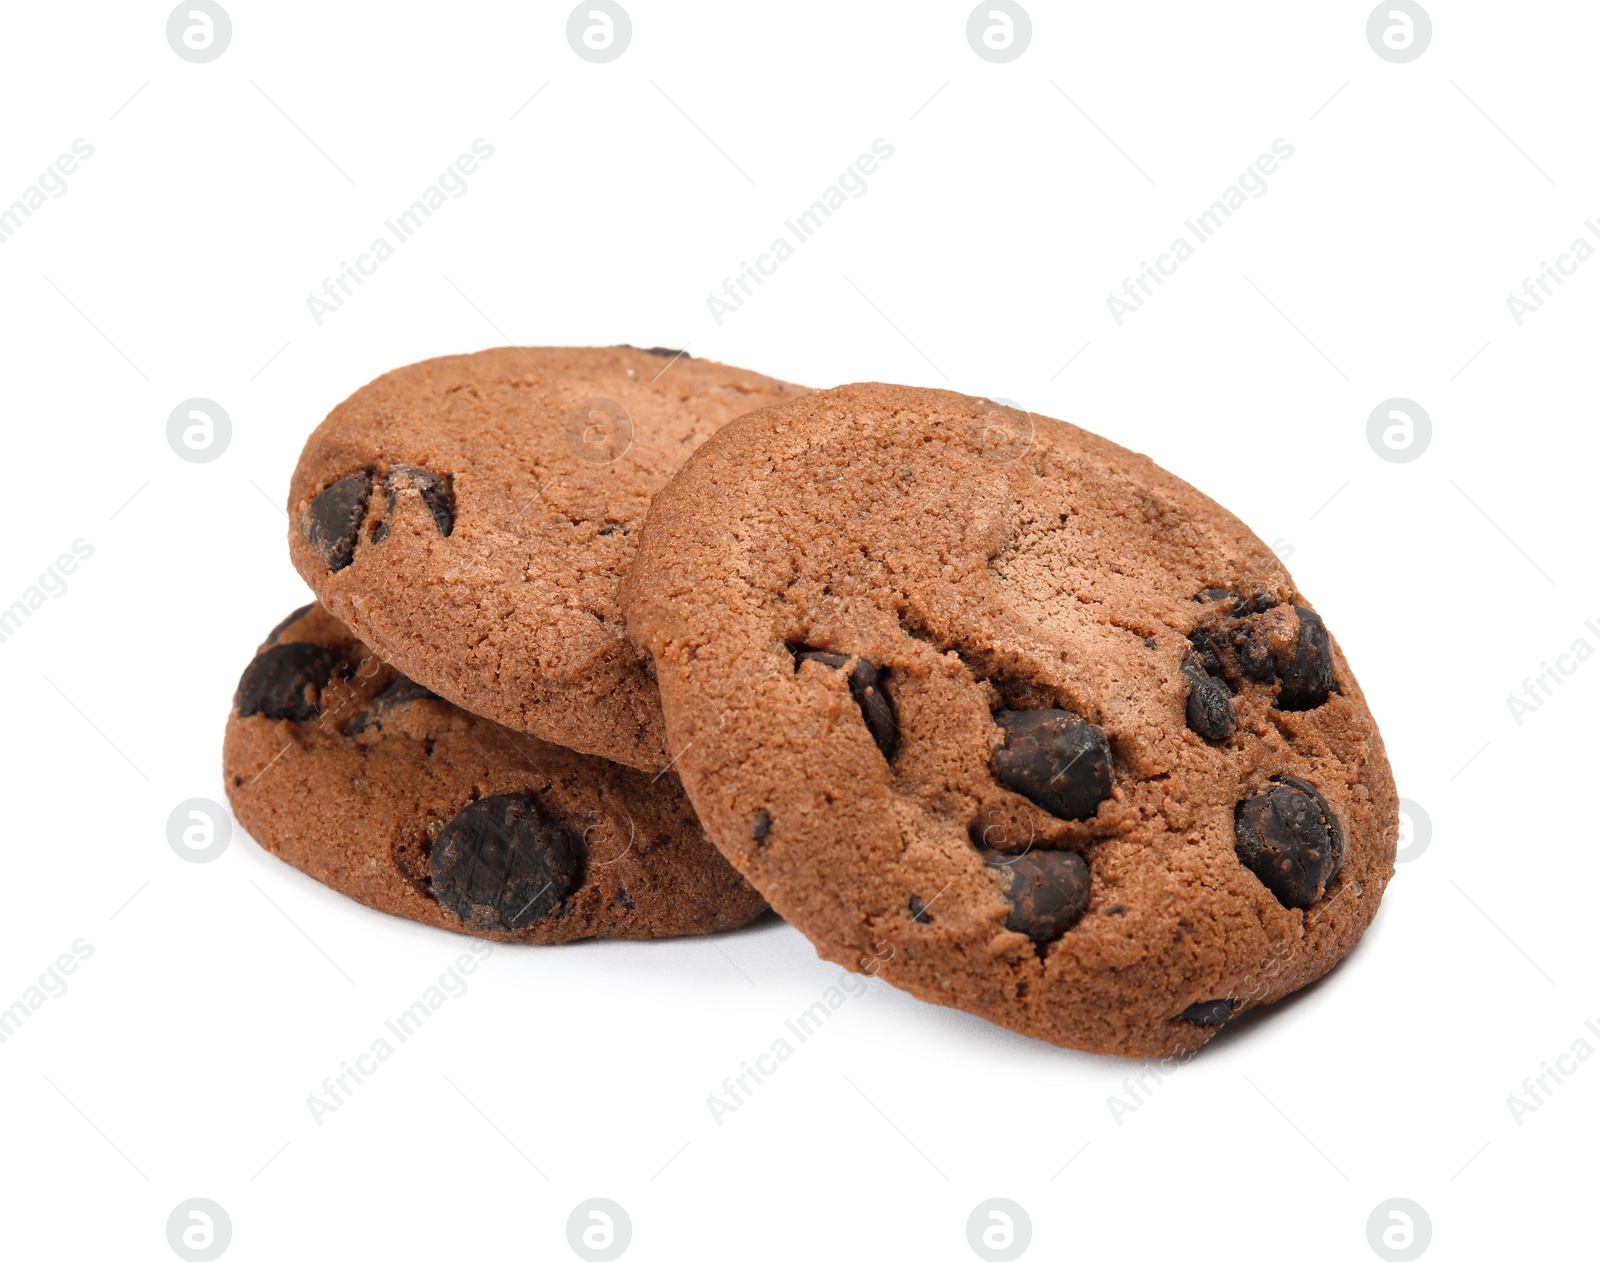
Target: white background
point(1377, 264)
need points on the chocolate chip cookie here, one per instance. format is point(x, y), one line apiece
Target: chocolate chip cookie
point(469, 518)
point(1011, 716)
point(364, 779)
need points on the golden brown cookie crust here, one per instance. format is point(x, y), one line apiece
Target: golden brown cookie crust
point(356, 794)
point(496, 498)
point(991, 560)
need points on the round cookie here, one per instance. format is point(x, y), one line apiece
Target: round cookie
point(469, 518)
point(366, 781)
point(1011, 716)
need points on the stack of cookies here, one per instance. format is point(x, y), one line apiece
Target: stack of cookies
point(621, 643)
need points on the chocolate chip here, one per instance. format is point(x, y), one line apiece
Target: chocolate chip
point(919, 910)
point(497, 865)
point(435, 493)
point(1215, 593)
point(761, 827)
point(1236, 648)
point(332, 521)
point(399, 692)
point(1308, 678)
point(666, 352)
point(1049, 891)
point(1207, 1012)
point(1255, 654)
point(866, 686)
point(1290, 838)
point(866, 683)
point(402, 689)
point(1211, 646)
point(833, 661)
point(285, 682)
point(613, 527)
point(1210, 707)
point(272, 635)
point(1056, 759)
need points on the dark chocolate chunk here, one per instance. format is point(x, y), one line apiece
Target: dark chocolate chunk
point(833, 661)
point(666, 352)
point(1255, 654)
point(1215, 593)
point(1210, 707)
point(1290, 838)
point(497, 865)
point(1208, 1012)
point(285, 682)
point(1056, 759)
point(400, 691)
point(272, 635)
point(761, 827)
point(919, 910)
point(332, 521)
point(1259, 603)
point(1308, 678)
point(1235, 649)
point(866, 686)
point(1049, 891)
point(436, 498)
point(1211, 646)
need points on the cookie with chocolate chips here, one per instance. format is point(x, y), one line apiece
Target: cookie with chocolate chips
point(1011, 716)
point(469, 517)
point(364, 779)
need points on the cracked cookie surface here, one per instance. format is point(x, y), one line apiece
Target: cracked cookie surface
point(370, 783)
point(1012, 715)
point(469, 517)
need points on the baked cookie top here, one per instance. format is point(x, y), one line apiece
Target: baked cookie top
point(469, 517)
point(1011, 715)
point(366, 781)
